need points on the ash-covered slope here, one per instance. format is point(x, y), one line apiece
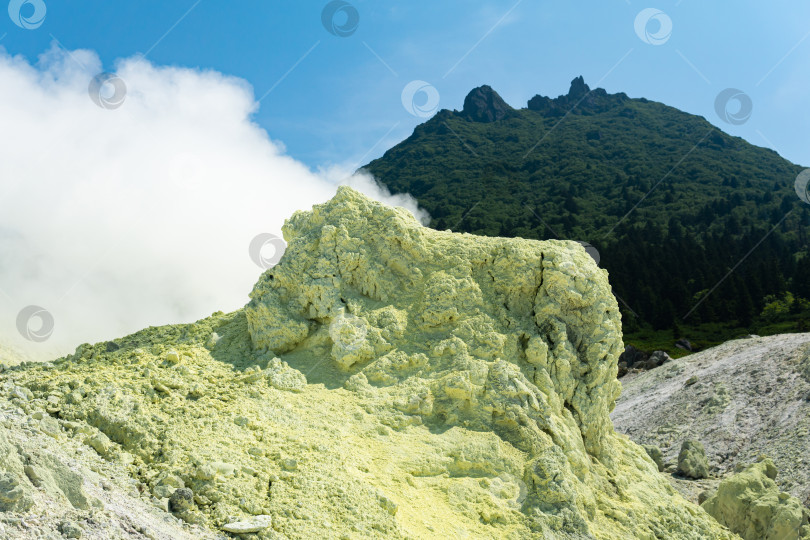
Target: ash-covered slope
point(742, 399)
point(386, 380)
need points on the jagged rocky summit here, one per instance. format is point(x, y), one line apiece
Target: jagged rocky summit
point(483, 104)
point(385, 381)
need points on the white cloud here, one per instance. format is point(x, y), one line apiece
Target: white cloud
point(114, 220)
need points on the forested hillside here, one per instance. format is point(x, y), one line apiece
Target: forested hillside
point(670, 201)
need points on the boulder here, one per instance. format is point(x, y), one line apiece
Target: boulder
point(657, 358)
point(692, 460)
point(656, 455)
point(751, 504)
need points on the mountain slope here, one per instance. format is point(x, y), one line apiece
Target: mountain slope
point(670, 202)
point(742, 399)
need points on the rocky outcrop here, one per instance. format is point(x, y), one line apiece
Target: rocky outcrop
point(483, 104)
point(580, 99)
point(509, 336)
point(751, 504)
point(385, 380)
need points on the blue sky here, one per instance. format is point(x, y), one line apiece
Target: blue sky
point(338, 99)
point(213, 169)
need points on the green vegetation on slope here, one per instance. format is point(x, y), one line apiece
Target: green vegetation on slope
point(670, 202)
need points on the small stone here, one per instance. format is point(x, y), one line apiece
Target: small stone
point(703, 496)
point(101, 444)
point(181, 501)
point(289, 464)
point(21, 393)
point(691, 380)
point(172, 357)
point(50, 426)
point(163, 492)
point(69, 529)
point(33, 475)
point(223, 469)
point(252, 525)
point(172, 480)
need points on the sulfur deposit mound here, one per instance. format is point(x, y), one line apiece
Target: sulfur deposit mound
point(385, 381)
point(751, 504)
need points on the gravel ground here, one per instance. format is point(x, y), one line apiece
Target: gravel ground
point(742, 399)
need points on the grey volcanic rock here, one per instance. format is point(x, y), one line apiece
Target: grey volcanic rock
point(656, 359)
point(633, 358)
point(684, 344)
point(483, 104)
point(750, 397)
point(580, 99)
